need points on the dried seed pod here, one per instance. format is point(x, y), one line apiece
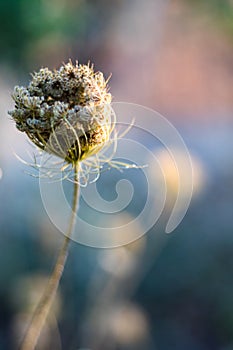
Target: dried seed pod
point(66, 112)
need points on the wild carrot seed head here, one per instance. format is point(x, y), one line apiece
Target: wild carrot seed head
point(66, 111)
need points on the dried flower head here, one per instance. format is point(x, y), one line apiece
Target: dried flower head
point(65, 112)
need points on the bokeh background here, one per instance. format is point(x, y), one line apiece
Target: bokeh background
point(161, 292)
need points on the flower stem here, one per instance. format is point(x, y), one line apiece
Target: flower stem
point(45, 303)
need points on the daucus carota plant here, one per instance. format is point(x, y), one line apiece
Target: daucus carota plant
point(67, 113)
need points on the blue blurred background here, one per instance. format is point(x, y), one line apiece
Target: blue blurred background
point(160, 292)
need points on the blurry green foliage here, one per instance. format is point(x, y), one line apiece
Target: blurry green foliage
point(25, 22)
point(221, 11)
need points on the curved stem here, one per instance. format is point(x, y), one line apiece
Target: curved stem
point(43, 308)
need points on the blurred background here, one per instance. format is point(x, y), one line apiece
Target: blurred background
point(162, 291)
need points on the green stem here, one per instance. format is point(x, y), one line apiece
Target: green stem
point(38, 320)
